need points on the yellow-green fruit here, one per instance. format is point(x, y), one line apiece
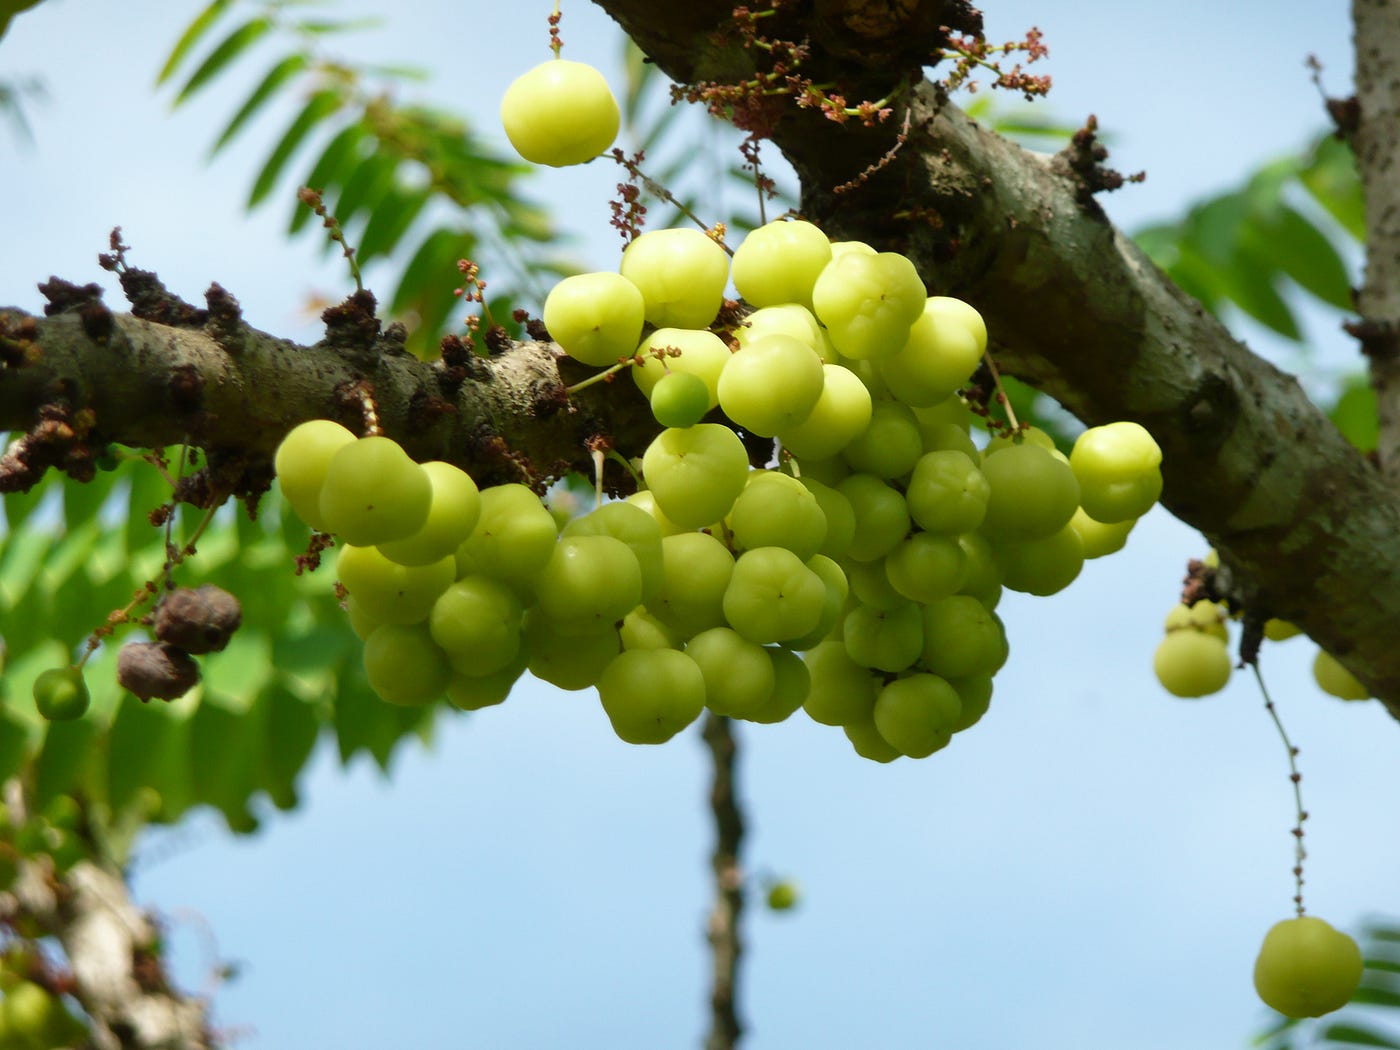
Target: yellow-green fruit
point(405, 666)
point(1204, 615)
point(301, 462)
point(1335, 680)
point(452, 514)
point(374, 493)
point(1190, 663)
point(1306, 968)
point(560, 113)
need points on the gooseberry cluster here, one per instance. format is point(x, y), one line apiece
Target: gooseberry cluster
point(876, 541)
point(1193, 659)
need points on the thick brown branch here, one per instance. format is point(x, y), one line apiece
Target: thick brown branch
point(1376, 141)
point(144, 384)
point(726, 945)
point(1075, 308)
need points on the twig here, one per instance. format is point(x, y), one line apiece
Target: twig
point(726, 946)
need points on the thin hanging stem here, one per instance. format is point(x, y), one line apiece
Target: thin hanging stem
point(1001, 392)
point(726, 946)
point(1300, 853)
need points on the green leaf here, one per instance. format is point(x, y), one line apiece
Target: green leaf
point(429, 272)
point(224, 745)
point(292, 727)
point(1355, 1035)
point(337, 163)
point(21, 560)
point(82, 501)
point(1299, 249)
point(1355, 414)
point(1332, 180)
point(285, 70)
point(370, 180)
point(321, 105)
point(239, 672)
point(15, 737)
point(389, 221)
point(191, 36)
point(324, 26)
point(233, 45)
point(66, 755)
point(19, 506)
point(148, 492)
point(148, 749)
point(363, 722)
point(639, 74)
point(652, 135)
point(1375, 995)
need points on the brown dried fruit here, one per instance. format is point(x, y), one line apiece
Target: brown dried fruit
point(155, 671)
point(199, 620)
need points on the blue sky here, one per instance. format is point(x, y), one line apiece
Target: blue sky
point(1091, 866)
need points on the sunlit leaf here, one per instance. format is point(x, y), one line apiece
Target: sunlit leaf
point(1300, 250)
point(325, 26)
point(1355, 414)
point(371, 179)
point(191, 36)
point(337, 163)
point(1252, 288)
point(224, 752)
point(281, 73)
point(148, 748)
point(233, 45)
point(320, 106)
point(292, 727)
point(1332, 180)
point(1355, 1035)
point(389, 221)
point(66, 755)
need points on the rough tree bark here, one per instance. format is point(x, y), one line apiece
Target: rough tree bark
point(1073, 307)
point(1372, 124)
point(1306, 523)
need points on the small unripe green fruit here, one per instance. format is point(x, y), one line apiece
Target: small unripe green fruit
point(784, 895)
point(679, 399)
point(60, 694)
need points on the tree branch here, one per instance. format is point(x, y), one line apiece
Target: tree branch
point(1376, 141)
point(134, 381)
point(726, 945)
point(1077, 310)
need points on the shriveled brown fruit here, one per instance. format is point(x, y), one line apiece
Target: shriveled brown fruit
point(198, 620)
point(154, 671)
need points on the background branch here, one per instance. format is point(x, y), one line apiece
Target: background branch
point(1375, 140)
point(726, 944)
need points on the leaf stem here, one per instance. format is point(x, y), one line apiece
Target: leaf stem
point(599, 377)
